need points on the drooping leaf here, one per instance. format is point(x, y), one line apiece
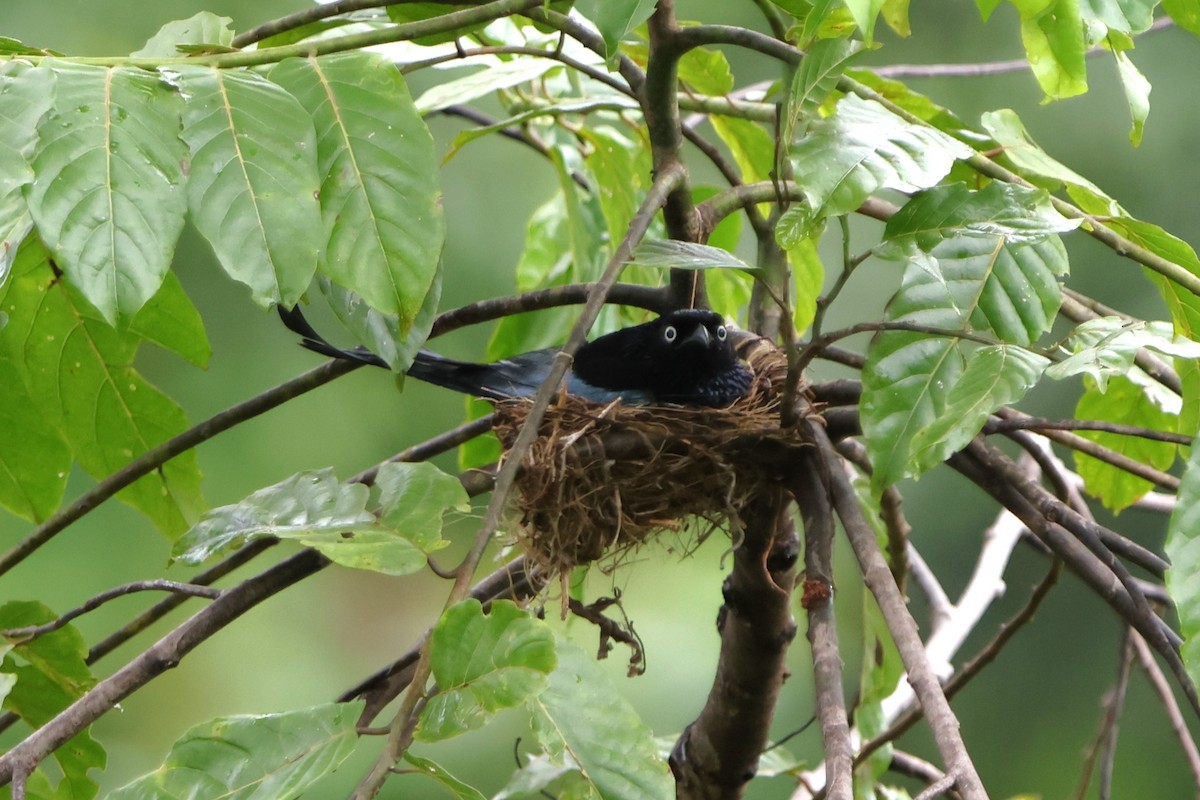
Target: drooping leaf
point(615, 19)
point(25, 95)
point(580, 716)
point(306, 504)
point(674, 254)
point(494, 75)
point(248, 757)
point(1105, 347)
point(380, 194)
point(79, 373)
point(202, 28)
point(1053, 35)
point(51, 673)
point(252, 191)
point(1129, 17)
point(902, 95)
point(864, 148)
point(865, 13)
point(108, 195)
point(171, 321)
point(752, 147)
point(1183, 550)
point(1125, 402)
point(34, 459)
point(429, 767)
point(483, 663)
point(1137, 95)
point(414, 498)
point(815, 79)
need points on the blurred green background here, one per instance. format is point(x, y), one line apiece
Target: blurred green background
point(1027, 719)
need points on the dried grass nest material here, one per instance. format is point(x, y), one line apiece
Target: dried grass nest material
point(601, 479)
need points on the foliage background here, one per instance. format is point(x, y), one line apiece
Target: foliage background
point(1026, 721)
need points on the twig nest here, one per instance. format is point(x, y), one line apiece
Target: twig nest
point(601, 479)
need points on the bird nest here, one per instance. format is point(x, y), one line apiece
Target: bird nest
point(601, 479)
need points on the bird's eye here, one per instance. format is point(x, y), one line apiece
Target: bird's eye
point(669, 333)
point(721, 333)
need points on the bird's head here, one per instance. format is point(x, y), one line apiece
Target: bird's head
point(691, 338)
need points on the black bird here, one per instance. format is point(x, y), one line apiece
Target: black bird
point(684, 357)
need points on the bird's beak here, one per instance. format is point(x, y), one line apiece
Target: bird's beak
point(700, 337)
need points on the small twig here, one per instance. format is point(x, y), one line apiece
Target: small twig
point(938, 788)
point(612, 631)
point(1178, 725)
point(1040, 424)
point(1104, 746)
point(32, 632)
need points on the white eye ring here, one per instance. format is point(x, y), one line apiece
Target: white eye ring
point(721, 333)
point(669, 333)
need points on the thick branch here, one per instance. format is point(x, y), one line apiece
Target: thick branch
point(718, 753)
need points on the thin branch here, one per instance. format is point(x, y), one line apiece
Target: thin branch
point(1104, 746)
point(32, 632)
point(1078, 308)
point(903, 628)
point(163, 655)
point(309, 15)
point(1178, 725)
point(1041, 424)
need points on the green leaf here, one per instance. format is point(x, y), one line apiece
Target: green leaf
point(1129, 17)
point(417, 12)
point(1053, 34)
point(1031, 161)
point(864, 148)
point(51, 673)
point(1137, 95)
point(543, 775)
point(1183, 550)
point(1106, 347)
point(108, 195)
point(305, 504)
point(483, 663)
point(34, 459)
point(619, 167)
point(414, 497)
point(674, 254)
point(79, 373)
point(706, 71)
point(615, 19)
point(277, 756)
point(809, 276)
point(882, 669)
point(1186, 14)
point(966, 282)
point(1017, 213)
point(752, 147)
point(993, 377)
point(814, 80)
point(169, 320)
point(582, 718)
point(494, 75)
point(201, 28)
point(865, 12)
point(380, 194)
point(913, 102)
point(1126, 402)
point(440, 774)
point(25, 95)
point(252, 190)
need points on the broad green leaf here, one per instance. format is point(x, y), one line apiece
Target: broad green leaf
point(1186, 14)
point(864, 148)
point(51, 673)
point(814, 80)
point(674, 254)
point(1137, 95)
point(706, 71)
point(581, 716)
point(307, 503)
point(560, 779)
point(418, 12)
point(413, 498)
point(1053, 34)
point(1125, 402)
point(252, 190)
point(1129, 17)
point(808, 274)
point(1017, 213)
point(108, 195)
point(494, 75)
point(429, 767)
point(1031, 161)
point(752, 147)
point(966, 282)
point(169, 320)
point(80, 374)
point(993, 377)
point(895, 14)
point(911, 101)
point(619, 166)
point(380, 194)
point(25, 95)
point(265, 757)
point(865, 12)
point(615, 19)
point(1106, 347)
point(34, 459)
point(380, 333)
point(202, 28)
point(483, 663)
point(1183, 550)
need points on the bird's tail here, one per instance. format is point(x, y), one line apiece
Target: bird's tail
point(461, 376)
point(309, 338)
